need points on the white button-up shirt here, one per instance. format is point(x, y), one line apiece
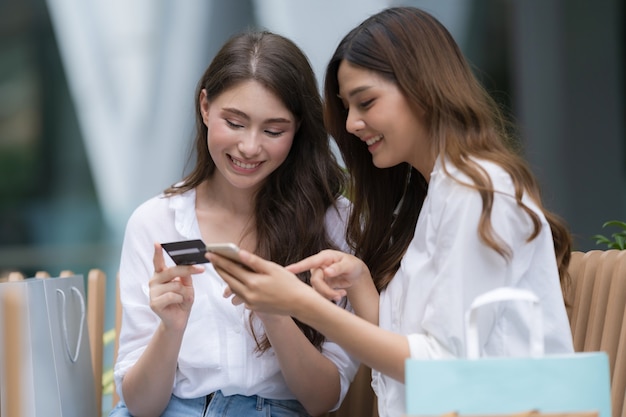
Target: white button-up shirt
point(447, 266)
point(218, 350)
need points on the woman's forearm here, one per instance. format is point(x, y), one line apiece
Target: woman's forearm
point(312, 377)
point(360, 338)
point(364, 299)
point(147, 387)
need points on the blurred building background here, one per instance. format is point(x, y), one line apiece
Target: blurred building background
point(96, 105)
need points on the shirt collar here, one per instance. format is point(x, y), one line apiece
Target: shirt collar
point(184, 208)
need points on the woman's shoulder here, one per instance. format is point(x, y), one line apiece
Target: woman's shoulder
point(336, 221)
point(500, 178)
point(340, 210)
point(161, 206)
point(155, 203)
point(343, 203)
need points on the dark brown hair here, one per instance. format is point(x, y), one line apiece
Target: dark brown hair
point(290, 207)
point(412, 49)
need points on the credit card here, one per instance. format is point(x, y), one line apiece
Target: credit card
point(186, 252)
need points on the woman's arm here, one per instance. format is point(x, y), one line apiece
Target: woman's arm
point(147, 386)
point(377, 348)
point(312, 377)
point(273, 289)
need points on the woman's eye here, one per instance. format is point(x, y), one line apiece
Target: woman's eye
point(366, 104)
point(273, 133)
point(233, 124)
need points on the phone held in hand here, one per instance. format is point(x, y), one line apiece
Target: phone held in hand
point(191, 252)
point(228, 250)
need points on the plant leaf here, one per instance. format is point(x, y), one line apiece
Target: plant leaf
point(602, 240)
point(616, 223)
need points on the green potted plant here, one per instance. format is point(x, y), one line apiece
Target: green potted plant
point(616, 240)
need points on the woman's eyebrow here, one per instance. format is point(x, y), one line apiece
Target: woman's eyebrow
point(245, 116)
point(358, 90)
point(236, 112)
point(278, 120)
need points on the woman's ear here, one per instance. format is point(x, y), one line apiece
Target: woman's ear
point(204, 106)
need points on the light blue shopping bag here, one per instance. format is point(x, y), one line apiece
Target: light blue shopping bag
point(500, 385)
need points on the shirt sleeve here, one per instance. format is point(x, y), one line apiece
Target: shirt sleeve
point(336, 221)
point(345, 364)
point(138, 320)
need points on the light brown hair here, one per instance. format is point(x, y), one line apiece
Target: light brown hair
point(410, 48)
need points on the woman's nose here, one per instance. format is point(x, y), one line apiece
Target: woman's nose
point(354, 122)
point(249, 145)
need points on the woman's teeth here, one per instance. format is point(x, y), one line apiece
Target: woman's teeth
point(244, 165)
point(373, 140)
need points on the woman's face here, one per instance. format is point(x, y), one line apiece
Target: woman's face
point(380, 116)
point(250, 133)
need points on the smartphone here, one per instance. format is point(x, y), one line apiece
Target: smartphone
point(228, 250)
point(191, 252)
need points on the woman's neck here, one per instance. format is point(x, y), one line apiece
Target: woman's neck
point(214, 193)
point(225, 214)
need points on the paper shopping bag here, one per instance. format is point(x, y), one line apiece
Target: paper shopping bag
point(566, 383)
point(57, 369)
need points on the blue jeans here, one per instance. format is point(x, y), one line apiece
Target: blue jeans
point(221, 406)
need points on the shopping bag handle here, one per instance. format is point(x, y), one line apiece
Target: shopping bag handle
point(66, 336)
point(505, 294)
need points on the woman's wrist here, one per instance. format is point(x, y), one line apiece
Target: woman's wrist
point(363, 280)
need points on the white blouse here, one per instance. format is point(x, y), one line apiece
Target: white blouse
point(447, 266)
point(218, 350)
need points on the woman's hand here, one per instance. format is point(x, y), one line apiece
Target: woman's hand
point(266, 287)
point(171, 291)
point(276, 289)
point(147, 386)
point(333, 273)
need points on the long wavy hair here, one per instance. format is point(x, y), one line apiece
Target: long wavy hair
point(410, 48)
point(290, 207)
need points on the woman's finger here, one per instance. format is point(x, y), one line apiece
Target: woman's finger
point(157, 289)
point(321, 286)
point(227, 292)
point(234, 269)
point(235, 285)
point(190, 270)
point(322, 259)
point(256, 263)
point(157, 259)
point(162, 301)
point(165, 274)
point(237, 300)
point(319, 283)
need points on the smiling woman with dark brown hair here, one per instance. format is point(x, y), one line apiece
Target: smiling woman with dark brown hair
point(265, 179)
